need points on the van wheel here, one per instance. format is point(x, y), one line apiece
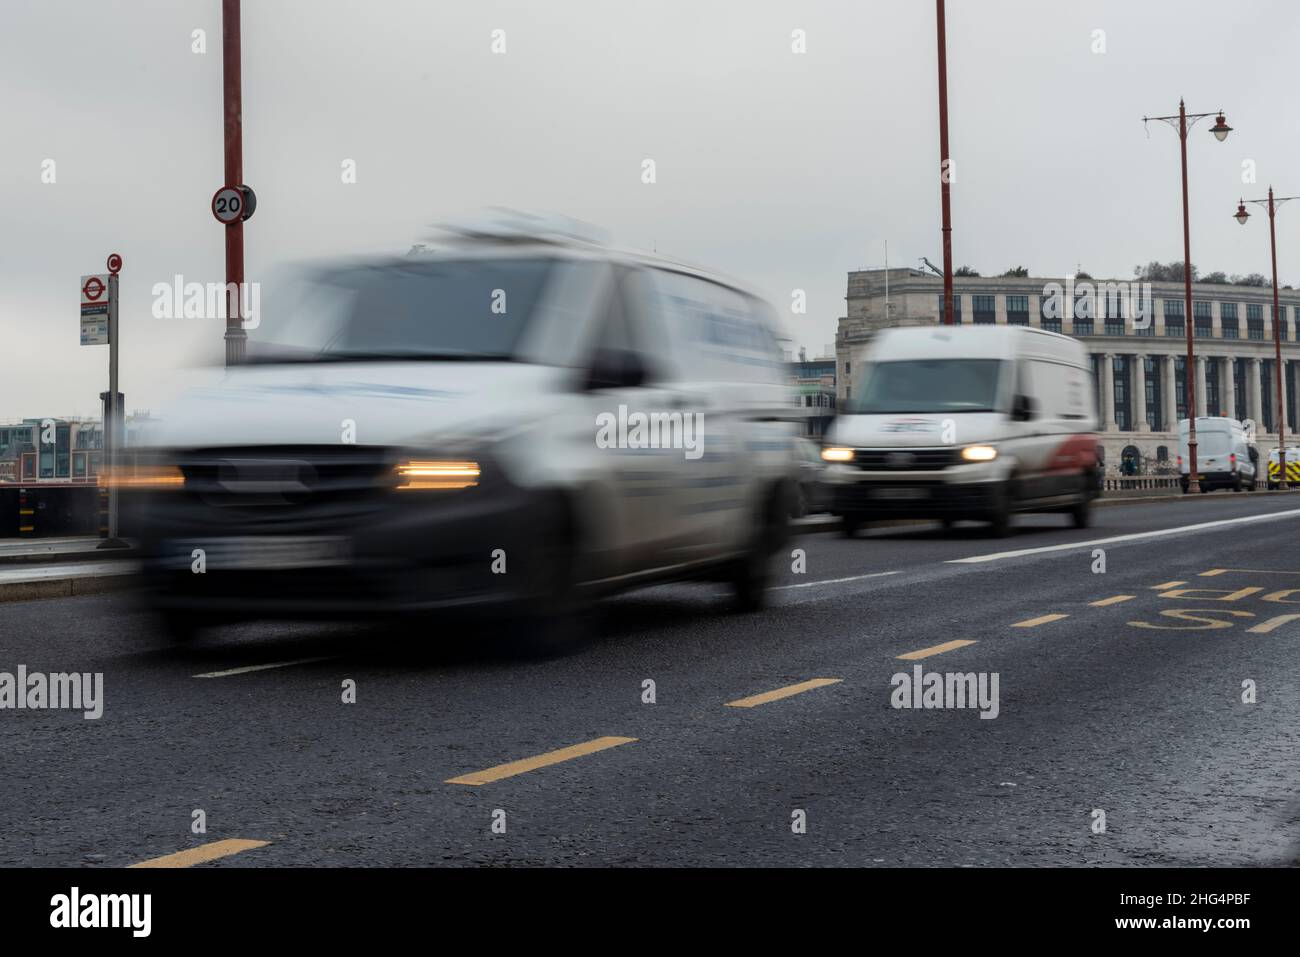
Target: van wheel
point(850, 523)
point(751, 573)
point(999, 517)
point(1081, 514)
point(180, 627)
point(1236, 484)
point(557, 620)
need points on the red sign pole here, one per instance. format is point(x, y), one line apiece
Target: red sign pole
point(235, 336)
point(945, 169)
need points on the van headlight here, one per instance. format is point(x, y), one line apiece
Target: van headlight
point(979, 453)
point(142, 473)
point(834, 454)
point(437, 474)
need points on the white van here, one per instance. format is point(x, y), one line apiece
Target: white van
point(1223, 458)
point(514, 419)
point(966, 422)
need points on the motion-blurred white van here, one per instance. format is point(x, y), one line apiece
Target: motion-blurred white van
point(515, 418)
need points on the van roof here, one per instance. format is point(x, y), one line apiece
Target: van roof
point(976, 342)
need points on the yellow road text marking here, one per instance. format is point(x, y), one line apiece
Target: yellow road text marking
point(1264, 627)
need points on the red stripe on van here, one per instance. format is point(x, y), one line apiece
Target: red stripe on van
point(1075, 454)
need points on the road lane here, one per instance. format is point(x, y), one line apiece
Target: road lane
point(1094, 714)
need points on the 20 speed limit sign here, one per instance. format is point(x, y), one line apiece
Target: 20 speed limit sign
point(231, 204)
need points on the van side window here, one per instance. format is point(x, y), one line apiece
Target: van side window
point(616, 331)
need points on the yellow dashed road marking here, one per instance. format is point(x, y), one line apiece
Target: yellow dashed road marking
point(1111, 601)
point(1264, 627)
point(1040, 620)
point(1167, 585)
point(1212, 572)
point(524, 765)
point(754, 701)
point(936, 650)
point(203, 853)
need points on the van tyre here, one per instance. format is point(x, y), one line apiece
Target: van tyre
point(1081, 514)
point(558, 620)
point(850, 523)
point(752, 572)
point(999, 516)
point(180, 627)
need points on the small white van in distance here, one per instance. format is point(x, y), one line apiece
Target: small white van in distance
point(1223, 457)
point(973, 422)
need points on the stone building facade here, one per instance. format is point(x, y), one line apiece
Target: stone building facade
point(1138, 351)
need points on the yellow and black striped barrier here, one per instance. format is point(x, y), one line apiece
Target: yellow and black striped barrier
point(1292, 470)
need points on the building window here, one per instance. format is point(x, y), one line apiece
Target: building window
point(1228, 317)
point(983, 310)
point(1240, 369)
point(1202, 319)
point(1123, 417)
point(1082, 327)
point(1155, 411)
point(1017, 310)
point(1269, 405)
point(1050, 323)
point(846, 367)
point(956, 309)
point(1162, 453)
point(1174, 315)
point(1180, 386)
point(1254, 321)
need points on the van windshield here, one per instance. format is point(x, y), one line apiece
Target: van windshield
point(431, 309)
point(930, 385)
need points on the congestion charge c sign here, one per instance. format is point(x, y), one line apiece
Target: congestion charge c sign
point(229, 205)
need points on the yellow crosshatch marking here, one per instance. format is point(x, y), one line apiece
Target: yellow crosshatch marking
point(1208, 594)
point(753, 701)
point(1111, 601)
point(935, 650)
point(522, 766)
point(1167, 585)
point(1264, 627)
point(203, 853)
point(1040, 620)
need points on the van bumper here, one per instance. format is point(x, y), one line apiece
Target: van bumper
point(878, 500)
point(409, 553)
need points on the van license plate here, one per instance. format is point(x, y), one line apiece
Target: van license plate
point(901, 494)
point(261, 552)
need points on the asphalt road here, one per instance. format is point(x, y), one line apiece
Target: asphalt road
point(1119, 707)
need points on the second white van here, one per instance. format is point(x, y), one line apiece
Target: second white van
point(975, 422)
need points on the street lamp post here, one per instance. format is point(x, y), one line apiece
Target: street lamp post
point(1220, 130)
point(232, 96)
point(1241, 216)
point(944, 163)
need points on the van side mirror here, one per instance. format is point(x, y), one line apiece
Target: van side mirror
point(1023, 408)
point(615, 369)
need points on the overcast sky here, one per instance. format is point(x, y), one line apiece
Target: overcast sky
point(783, 169)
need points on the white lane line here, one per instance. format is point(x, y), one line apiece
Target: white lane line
point(274, 664)
point(1136, 536)
point(834, 581)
